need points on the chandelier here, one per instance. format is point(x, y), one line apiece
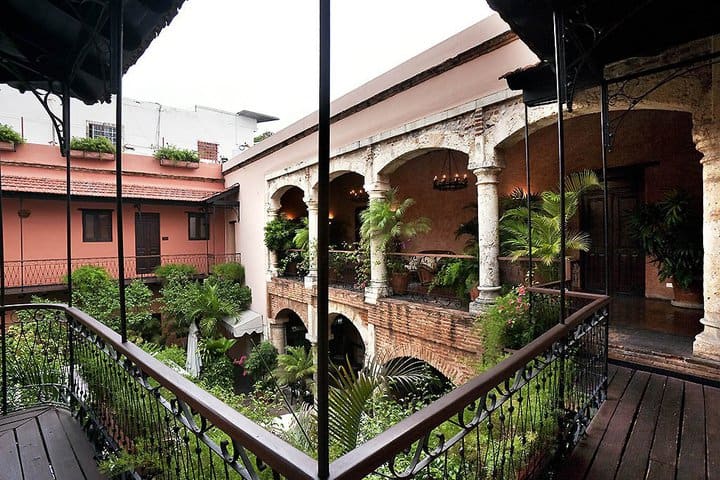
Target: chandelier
point(450, 178)
point(358, 195)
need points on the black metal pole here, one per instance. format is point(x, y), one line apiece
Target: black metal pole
point(68, 225)
point(527, 197)
point(3, 344)
point(322, 243)
point(116, 60)
point(560, 86)
point(605, 134)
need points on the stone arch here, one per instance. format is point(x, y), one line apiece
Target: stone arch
point(278, 189)
point(366, 330)
point(456, 372)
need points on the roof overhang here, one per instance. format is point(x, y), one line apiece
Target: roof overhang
point(45, 43)
point(246, 323)
point(258, 117)
point(226, 198)
point(600, 34)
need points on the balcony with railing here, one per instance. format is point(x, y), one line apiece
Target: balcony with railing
point(511, 421)
point(51, 274)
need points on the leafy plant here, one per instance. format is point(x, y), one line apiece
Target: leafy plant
point(384, 220)
point(92, 144)
point(279, 234)
point(295, 369)
point(301, 239)
point(230, 271)
point(8, 134)
point(164, 272)
point(171, 152)
point(263, 360)
point(95, 293)
point(545, 220)
point(209, 306)
point(670, 231)
point(458, 274)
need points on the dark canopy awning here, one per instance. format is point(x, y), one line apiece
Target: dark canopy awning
point(46, 42)
point(600, 32)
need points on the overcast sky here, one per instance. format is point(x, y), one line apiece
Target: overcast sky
point(262, 55)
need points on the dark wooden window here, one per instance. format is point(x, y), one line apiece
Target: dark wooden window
point(198, 226)
point(97, 225)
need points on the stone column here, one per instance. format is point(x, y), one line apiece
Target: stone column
point(488, 238)
point(378, 285)
point(278, 336)
point(311, 277)
point(707, 142)
point(272, 271)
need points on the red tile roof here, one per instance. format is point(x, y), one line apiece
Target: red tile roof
point(12, 183)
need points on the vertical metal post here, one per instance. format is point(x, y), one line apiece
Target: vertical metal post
point(3, 344)
point(116, 66)
point(605, 143)
point(529, 211)
point(68, 225)
point(560, 87)
point(322, 243)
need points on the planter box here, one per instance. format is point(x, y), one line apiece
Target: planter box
point(91, 155)
point(7, 146)
point(166, 162)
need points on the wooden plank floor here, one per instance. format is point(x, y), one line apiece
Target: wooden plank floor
point(45, 443)
point(650, 427)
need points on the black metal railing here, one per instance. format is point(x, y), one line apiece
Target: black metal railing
point(510, 422)
point(129, 401)
point(47, 272)
point(348, 269)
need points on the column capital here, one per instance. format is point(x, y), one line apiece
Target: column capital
point(706, 137)
point(378, 188)
point(312, 205)
point(487, 175)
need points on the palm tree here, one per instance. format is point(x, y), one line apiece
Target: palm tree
point(295, 369)
point(384, 220)
point(545, 220)
point(208, 308)
point(351, 395)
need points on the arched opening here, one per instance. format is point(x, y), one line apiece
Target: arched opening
point(346, 343)
point(291, 217)
point(292, 204)
point(296, 331)
point(347, 199)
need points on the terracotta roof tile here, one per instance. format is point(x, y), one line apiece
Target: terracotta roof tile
point(12, 183)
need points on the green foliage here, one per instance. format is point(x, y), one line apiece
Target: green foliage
point(384, 219)
point(230, 271)
point(458, 274)
point(94, 144)
point(279, 234)
point(138, 298)
point(350, 396)
point(170, 355)
point(351, 260)
point(670, 231)
point(263, 359)
point(295, 369)
point(209, 305)
point(178, 298)
point(145, 458)
point(239, 296)
point(301, 239)
point(164, 272)
point(545, 220)
point(95, 293)
point(171, 152)
point(262, 136)
point(8, 134)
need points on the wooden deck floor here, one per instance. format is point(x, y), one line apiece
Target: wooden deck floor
point(45, 443)
point(651, 427)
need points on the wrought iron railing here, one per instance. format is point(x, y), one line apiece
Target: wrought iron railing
point(348, 269)
point(511, 421)
point(46, 272)
point(127, 400)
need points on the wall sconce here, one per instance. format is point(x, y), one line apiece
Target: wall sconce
point(23, 213)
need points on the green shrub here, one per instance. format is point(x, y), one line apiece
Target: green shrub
point(95, 293)
point(279, 234)
point(164, 272)
point(8, 134)
point(171, 354)
point(231, 271)
point(176, 154)
point(96, 144)
point(263, 359)
point(238, 295)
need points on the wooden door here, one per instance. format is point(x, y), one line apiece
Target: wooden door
point(626, 258)
point(147, 242)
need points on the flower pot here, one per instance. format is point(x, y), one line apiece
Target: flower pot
point(399, 282)
point(92, 155)
point(687, 297)
point(7, 146)
point(166, 162)
point(474, 293)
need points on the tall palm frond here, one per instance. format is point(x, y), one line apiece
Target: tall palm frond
point(384, 219)
point(348, 400)
point(302, 235)
point(295, 365)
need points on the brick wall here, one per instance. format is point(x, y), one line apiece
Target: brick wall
point(444, 338)
point(207, 150)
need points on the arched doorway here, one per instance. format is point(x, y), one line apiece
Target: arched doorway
point(347, 199)
point(346, 343)
point(295, 331)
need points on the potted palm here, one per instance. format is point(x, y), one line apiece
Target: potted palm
point(384, 221)
point(545, 220)
point(670, 231)
point(9, 138)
